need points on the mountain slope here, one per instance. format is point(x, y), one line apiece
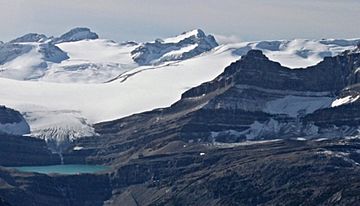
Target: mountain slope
point(245, 103)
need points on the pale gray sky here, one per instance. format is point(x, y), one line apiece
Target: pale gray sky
point(143, 20)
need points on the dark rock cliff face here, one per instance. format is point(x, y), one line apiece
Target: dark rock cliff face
point(45, 190)
point(254, 69)
point(17, 150)
point(9, 116)
point(23, 151)
point(279, 100)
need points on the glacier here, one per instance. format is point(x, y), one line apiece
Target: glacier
point(64, 85)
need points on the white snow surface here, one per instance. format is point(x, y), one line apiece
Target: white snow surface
point(344, 100)
point(182, 36)
point(297, 53)
point(90, 61)
point(24, 66)
point(145, 88)
point(180, 51)
point(295, 105)
point(101, 60)
point(58, 125)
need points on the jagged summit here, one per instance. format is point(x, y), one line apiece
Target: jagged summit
point(76, 34)
point(31, 37)
point(257, 54)
point(196, 33)
point(184, 46)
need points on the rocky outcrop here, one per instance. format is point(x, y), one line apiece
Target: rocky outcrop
point(12, 122)
point(52, 53)
point(271, 101)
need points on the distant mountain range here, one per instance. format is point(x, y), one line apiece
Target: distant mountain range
point(70, 82)
point(253, 132)
point(180, 120)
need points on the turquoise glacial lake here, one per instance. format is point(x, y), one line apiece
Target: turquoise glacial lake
point(64, 169)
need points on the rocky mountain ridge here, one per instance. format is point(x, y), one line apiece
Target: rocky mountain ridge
point(254, 99)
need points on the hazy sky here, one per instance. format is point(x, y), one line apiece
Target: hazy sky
point(143, 20)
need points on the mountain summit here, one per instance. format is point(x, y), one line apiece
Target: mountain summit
point(76, 34)
point(184, 46)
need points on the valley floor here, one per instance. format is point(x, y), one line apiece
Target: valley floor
point(286, 172)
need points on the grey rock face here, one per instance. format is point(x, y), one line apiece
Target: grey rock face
point(52, 53)
point(76, 34)
point(159, 51)
point(9, 51)
point(31, 37)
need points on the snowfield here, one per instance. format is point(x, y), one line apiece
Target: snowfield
point(99, 81)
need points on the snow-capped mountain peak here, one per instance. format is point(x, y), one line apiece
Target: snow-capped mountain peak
point(184, 46)
point(196, 33)
point(76, 34)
